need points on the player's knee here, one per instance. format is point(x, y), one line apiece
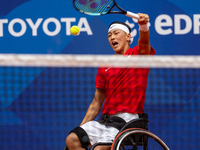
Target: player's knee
point(77, 138)
point(72, 138)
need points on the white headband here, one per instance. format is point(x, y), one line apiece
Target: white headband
point(119, 26)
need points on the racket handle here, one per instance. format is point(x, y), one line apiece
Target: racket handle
point(132, 15)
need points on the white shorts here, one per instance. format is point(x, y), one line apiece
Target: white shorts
point(100, 133)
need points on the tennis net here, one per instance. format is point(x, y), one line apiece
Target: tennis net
point(43, 97)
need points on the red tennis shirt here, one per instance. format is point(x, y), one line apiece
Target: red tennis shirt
point(125, 87)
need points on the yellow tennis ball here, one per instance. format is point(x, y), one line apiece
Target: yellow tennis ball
point(74, 30)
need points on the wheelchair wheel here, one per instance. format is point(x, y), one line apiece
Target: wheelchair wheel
point(138, 139)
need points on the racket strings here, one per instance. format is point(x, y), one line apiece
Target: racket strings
point(93, 7)
point(87, 7)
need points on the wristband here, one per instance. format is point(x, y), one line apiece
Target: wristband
point(144, 27)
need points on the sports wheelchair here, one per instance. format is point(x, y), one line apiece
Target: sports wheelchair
point(134, 135)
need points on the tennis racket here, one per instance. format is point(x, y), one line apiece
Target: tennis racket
point(100, 7)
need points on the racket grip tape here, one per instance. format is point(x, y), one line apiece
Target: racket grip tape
point(132, 15)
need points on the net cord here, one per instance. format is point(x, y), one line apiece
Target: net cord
point(66, 60)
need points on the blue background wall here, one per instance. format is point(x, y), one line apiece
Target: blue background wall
point(39, 106)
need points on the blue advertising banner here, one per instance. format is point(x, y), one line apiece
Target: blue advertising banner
point(44, 27)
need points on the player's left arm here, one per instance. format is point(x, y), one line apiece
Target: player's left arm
point(143, 41)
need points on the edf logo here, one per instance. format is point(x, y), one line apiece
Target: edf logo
point(164, 24)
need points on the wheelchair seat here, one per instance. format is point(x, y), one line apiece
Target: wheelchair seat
point(140, 123)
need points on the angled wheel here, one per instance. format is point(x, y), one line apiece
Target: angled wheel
point(138, 139)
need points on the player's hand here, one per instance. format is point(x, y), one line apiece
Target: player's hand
point(144, 18)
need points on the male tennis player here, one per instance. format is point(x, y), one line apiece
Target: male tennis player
point(122, 90)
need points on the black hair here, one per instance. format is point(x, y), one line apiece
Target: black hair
point(129, 28)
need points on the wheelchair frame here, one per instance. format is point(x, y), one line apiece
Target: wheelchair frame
point(134, 132)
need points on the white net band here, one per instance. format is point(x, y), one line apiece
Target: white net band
point(58, 60)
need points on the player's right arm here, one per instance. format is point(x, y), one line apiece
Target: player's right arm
point(143, 42)
point(95, 106)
